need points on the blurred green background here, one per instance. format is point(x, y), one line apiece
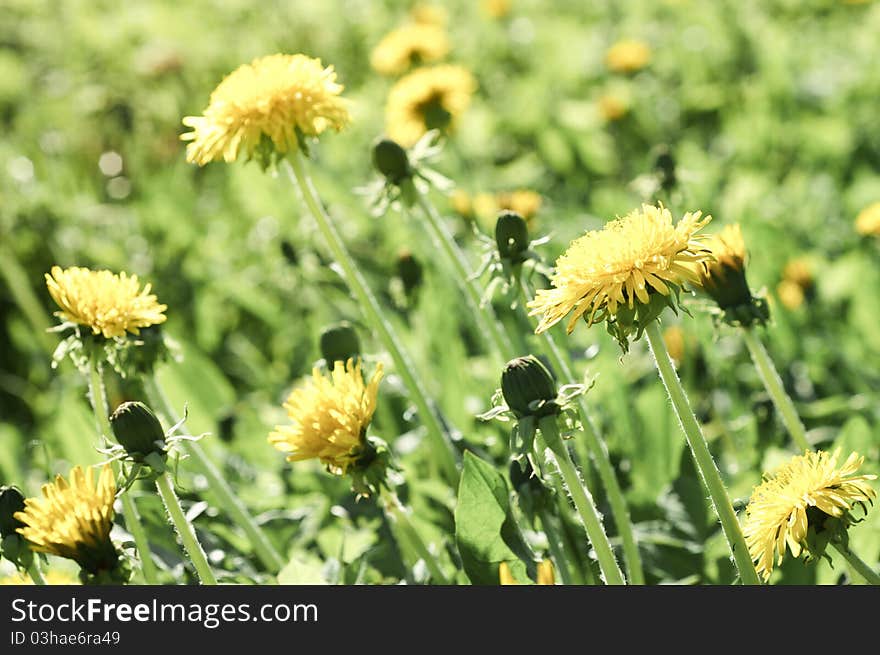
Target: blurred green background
point(769, 110)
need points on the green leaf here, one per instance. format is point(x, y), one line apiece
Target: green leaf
point(485, 529)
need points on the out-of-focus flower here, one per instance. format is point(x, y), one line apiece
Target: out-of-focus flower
point(426, 99)
point(628, 56)
point(410, 45)
point(868, 220)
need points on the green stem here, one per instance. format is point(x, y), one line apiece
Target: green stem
point(35, 573)
point(702, 456)
point(483, 314)
point(185, 530)
point(583, 502)
point(132, 519)
point(230, 502)
point(601, 458)
point(399, 515)
point(869, 574)
point(773, 383)
point(444, 451)
point(557, 547)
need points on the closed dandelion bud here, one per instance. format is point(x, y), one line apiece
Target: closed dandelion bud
point(391, 160)
point(11, 501)
point(511, 235)
point(138, 430)
point(339, 343)
point(664, 165)
point(529, 388)
point(724, 279)
point(410, 271)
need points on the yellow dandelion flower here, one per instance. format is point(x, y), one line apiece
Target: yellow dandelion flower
point(524, 202)
point(329, 417)
point(868, 220)
point(628, 56)
point(73, 519)
point(673, 337)
point(461, 203)
point(429, 15)
point(800, 494)
point(799, 271)
point(496, 8)
point(51, 577)
point(426, 99)
point(790, 294)
point(108, 303)
point(545, 573)
point(612, 107)
point(486, 207)
point(265, 104)
point(411, 45)
point(621, 265)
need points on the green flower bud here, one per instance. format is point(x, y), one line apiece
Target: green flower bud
point(391, 160)
point(529, 388)
point(11, 501)
point(339, 343)
point(511, 235)
point(138, 430)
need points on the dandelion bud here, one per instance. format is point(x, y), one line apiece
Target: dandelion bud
point(410, 271)
point(664, 165)
point(138, 430)
point(391, 160)
point(11, 501)
point(528, 387)
point(339, 343)
point(511, 235)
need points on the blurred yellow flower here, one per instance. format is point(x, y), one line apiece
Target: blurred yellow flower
point(627, 56)
point(868, 220)
point(673, 337)
point(429, 14)
point(524, 202)
point(782, 507)
point(51, 577)
point(426, 99)
point(107, 303)
point(790, 294)
point(545, 574)
point(410, 45)
point(263, 106)
point(799, 271)
point(461, 203)
point(612, 107)
point(329, 417)
point(496, 8)
point(620, 265)
point(73, 519)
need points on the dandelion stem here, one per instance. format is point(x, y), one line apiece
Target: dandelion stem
point(483, 314)
point(444, 451)
point(583, 502)
point(556, 546)
point(263, 548)
point(601, 458)
point(869, 574)
point(399, 515)
point(35, 573)
point(702, 456)
point(98, 399)
point(185, 530)
point(773, 383)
